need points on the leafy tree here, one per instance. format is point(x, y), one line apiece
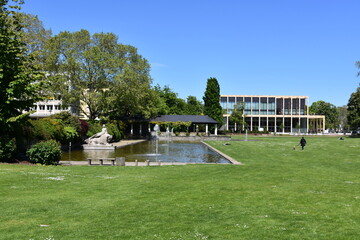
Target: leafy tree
point(194, 106)
point(172, 104)
point(97, 72)
point(132, 95)
point(329, 110)
point(353, 110)
point(237, 115)
point(19, 78)
point(211, 98)
point(81, 68)
point(35, 37)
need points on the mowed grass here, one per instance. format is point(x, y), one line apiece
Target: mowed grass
point(279, 193)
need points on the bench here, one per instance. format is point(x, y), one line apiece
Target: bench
point(119, 161)
point(101, 160)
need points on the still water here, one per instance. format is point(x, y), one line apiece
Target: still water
point(164, 151)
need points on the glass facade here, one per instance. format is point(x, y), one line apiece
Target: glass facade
point(247, 110)
point(271, 106)
point(255, 106)
point(271, 113)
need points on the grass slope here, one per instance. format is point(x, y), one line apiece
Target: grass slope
point(278, 193)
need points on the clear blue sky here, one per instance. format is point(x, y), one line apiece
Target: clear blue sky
point(262, 47)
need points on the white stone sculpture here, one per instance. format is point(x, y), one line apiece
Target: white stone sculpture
point(100, 138)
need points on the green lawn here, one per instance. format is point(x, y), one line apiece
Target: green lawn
point(279, 193)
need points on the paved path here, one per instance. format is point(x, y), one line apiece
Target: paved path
point(124, 143)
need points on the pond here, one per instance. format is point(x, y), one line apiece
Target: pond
point(164, 151)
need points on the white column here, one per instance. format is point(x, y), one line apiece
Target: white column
point(307, 124)
point(227, 123)
point(206, 129)
point(132, 129)
point(216, 130)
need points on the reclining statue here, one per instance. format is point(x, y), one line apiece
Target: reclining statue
point(100, 138)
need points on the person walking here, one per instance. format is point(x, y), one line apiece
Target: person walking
point(302, 143)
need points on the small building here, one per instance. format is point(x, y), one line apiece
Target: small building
point(194, 121)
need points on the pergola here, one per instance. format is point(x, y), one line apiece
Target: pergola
point(194, 119)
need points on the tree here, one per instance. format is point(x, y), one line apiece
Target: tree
point(211, 98)
point(132, 95)
point(237, 115)
point(99, 73)
point(35, 37)
point(81, 68)
point(194, 106)
point(353, 110)
point(329, 110)
point(19, 78)
point(172, 104)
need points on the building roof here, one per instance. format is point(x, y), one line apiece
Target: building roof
point(199, 119)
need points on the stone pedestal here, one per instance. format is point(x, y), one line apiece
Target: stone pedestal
point(98, 147)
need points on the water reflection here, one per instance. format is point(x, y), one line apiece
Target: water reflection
point(164, 151)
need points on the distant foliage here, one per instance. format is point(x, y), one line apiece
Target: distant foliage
point(45, 153)
point(115, 128)
point(94, 127)
point(68, 120)
point(7, 149)
point(48, 128)
point(353, 109)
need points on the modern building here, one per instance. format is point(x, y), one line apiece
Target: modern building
point(280, 114)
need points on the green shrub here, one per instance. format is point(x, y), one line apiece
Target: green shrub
point(7, 148)
point(115, 129)
point(71, 135)
point(46, 152)
point(94, 127)
point(67, 119)
point(48, 128)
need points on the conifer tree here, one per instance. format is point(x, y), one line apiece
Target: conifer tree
point(211, 98)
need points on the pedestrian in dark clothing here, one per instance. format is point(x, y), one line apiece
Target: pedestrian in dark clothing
point(302, 143)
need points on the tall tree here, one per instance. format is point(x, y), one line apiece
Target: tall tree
point(19, 79)
point(329, 110)
point(35, 37)
point(132, 95)
point(96, 71)
point(354, 110)
point(211, 98)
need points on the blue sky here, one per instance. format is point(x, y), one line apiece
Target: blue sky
point(262, 47)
